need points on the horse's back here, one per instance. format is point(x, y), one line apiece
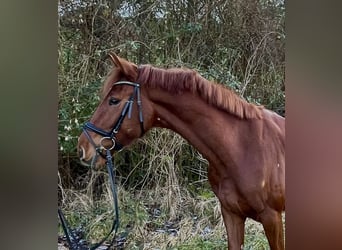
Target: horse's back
point(271, 115)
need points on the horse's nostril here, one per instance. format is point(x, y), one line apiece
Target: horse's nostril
point(81, 153)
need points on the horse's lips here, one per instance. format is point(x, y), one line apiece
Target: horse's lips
point(95, 162)
point(86, 163)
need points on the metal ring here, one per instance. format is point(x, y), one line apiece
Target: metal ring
point(107, 138)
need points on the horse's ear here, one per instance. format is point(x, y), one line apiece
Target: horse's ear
point(129, 69)
point(115, 59)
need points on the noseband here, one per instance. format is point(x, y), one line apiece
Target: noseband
point(111, 135)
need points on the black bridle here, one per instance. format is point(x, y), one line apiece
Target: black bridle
point(110, 135)
point(75, 242)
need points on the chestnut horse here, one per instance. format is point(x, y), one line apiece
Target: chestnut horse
point(243, 143)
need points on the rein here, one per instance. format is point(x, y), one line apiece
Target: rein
point(75, 242)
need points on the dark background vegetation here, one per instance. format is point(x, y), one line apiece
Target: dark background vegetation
point(236, 43)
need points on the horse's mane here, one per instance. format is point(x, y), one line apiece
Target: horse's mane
point(177, 80)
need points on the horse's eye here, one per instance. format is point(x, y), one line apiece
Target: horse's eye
point(114, 101)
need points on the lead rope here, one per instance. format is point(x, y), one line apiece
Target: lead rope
point(111, 175)
point(77, 243)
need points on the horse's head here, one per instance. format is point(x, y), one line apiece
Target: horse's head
point(119, 119)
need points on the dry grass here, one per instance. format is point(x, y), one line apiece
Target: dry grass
point(168, 216)
point(150, 221)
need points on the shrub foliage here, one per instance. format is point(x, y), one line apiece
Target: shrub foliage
point(236, 43)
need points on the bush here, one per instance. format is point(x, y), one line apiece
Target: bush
point(237, 43)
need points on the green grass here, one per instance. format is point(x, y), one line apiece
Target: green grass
point(160, 218)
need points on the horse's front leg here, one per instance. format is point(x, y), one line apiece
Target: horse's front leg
point(273, 226)
point(235, 226)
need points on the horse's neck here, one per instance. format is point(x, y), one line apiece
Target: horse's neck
point(198, 122)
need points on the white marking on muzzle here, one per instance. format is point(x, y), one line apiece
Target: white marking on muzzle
point(83, 153)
